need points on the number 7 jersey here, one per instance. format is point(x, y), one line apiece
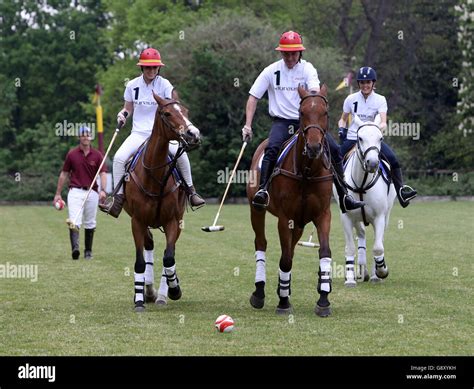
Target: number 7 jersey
point(144, 104)
point(282, 86)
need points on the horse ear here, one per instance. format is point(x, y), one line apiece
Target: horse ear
point(302, 91)
point(377, 120)
point(158, 99)
point(324, 90)
point(357, 121)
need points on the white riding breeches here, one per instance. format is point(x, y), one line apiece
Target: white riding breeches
point(88, 214)
point(131, 145)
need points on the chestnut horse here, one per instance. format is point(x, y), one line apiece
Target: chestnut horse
point(300, 193)
point(154, 199)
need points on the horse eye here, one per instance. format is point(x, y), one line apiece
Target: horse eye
point(167, 114)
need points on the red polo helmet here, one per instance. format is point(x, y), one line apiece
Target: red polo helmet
point(150, 57)
point(290, 41)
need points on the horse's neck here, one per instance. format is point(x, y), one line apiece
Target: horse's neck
point(157, 150)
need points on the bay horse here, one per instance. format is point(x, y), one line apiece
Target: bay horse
point(154, 198)
point(300, 193)
point(362, 173)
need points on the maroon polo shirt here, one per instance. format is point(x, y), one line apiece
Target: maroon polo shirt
point(83, 168)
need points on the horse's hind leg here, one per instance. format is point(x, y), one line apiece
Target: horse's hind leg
point(150, 291)
point(169, 264)
point(350, 280)
point(139, 231)
point(362, 272)
point(257, 299)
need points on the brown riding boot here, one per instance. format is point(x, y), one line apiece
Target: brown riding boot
point(113, 205)
point(194, 199)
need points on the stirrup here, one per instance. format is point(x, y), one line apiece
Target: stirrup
point(196, 206)
point(261, 206)
point(107, 205)
point(356, 203)
point(409, 197)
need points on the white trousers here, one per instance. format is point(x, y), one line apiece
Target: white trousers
point(88, 214)
point(131, 145)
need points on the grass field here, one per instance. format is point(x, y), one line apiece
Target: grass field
point(425, 307)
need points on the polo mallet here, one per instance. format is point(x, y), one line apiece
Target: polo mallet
point(214, 228)
point(309, 243)
point(72, 223)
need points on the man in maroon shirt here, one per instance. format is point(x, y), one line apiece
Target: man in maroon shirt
point(80, 167)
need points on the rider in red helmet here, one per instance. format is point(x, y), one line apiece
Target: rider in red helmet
point(281, 80)
point(139, 100)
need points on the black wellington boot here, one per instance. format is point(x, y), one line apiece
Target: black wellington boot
point(88, 243)
point(74, 237)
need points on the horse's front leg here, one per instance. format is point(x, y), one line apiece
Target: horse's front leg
point(257, 298)
point(285, 230)
point(380, 269)
point(169, 264)
point(150, 291)
point(323, 224)
point(139, 231)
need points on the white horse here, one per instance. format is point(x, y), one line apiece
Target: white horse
point(363, 177)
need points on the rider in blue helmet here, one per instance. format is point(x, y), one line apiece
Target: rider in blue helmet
point(367, 104)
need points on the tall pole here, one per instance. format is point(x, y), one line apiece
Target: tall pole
point(99, 120)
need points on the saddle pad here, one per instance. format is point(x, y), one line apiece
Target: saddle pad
point(132, 162)
point(290, 143)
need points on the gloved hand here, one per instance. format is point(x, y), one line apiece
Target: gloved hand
point(247, 134)
point(342, 133)
point(122, 116)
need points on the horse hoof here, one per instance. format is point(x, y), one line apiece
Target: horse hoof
point(174, 293)
point(139, 307)
point(350, 284)
point(257, 302)
point(284, 310)
point(375, 280)
point(151, 295)
point(161, 301)
point(322, 311)
point(382, 275)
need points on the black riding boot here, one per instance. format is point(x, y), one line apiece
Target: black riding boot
point(113, 205)
point(194, 198)
point(404, 192)
point(262, 198)
point(88, 243)
point(346, 201)
point(74, 237)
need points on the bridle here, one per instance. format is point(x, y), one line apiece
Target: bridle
point(361, 154)
point(177, 131)
point(317, 126)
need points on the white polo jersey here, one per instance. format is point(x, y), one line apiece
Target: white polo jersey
point(144, 105)
point(282, 86)
point(365, 109)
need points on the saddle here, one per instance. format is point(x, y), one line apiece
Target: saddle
point(132, 163)
point(284, 151)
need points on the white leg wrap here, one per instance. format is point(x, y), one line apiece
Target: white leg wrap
point(139, 286)
point(170, 273)
point(149, 274)
point(361, 252)
point(163, 289)
point(284, 283)
point(260, 273)
point(325, 266)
